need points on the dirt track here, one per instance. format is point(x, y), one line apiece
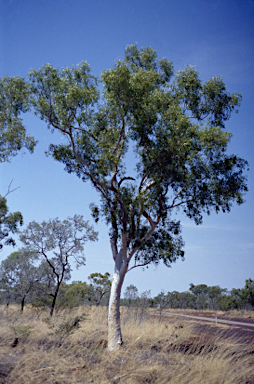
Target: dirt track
point(215, 319)
point(237, 329)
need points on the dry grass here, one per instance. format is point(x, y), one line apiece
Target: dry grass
point(71, 348)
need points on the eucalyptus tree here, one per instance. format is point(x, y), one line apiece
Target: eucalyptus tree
point(77, 293)
point(9, 223)
point(19, 276)
point(100, 285)
point(173, 122)
point(248, 292)
point(214, 294)
point(131, 293)
point(14, 100)
point(200, 292)
point(58, 242)
point(245, 295)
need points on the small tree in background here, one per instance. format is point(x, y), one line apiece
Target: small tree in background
point(214, 293)
point(58, 242)
point(101, 285)
point(200, 292)
point(19, 277)
point(248, 292)
point(78, 293)
point(42, 296)
point(131, 294)
point(244, 296)
point(161, 301)
point(143, 304)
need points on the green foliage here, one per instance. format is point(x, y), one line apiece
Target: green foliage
point(200, 289)
point(164, 245)
point(228, 303)
point(19, 277)
point(41, 301)
point(248, 292)
point(131, 294)
point(75, 294)
point(9, 223)
point(199, 296)
point(70, 325)
point(101, 285)
point(67, 327)
point(244, 295)
point(175, 126)
point(21, 330)
point(64, 240)
point(14, 100)
point(205, 296)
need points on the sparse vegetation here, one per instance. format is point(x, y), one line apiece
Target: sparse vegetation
point(71, 348)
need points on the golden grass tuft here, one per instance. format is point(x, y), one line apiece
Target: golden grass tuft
point(72, 348)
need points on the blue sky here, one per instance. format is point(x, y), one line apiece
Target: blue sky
point(216, 36)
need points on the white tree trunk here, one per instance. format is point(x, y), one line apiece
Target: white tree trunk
point(114, 325)
point(121, 267)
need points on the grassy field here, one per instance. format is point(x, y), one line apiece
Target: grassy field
point(72, 348)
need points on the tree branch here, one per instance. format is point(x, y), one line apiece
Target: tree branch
point(146, 237)
point(138, 265)
point(120, 136)
point(9, 190)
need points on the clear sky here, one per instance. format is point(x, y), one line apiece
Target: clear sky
point(216, 36)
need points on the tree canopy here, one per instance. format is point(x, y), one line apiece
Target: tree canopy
point(175, 126)
point(9, 222)
point(14, 100)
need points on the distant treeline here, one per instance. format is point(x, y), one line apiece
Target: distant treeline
point(202, 297)
point(36, 287)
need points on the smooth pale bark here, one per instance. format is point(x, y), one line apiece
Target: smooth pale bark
point(114, 324)
point(122, 261)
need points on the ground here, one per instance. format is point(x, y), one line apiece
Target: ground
point(71, 348)
point(244, 334)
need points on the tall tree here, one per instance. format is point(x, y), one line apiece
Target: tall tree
point(57, 242)
point(174, 124)
point(14, 100)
